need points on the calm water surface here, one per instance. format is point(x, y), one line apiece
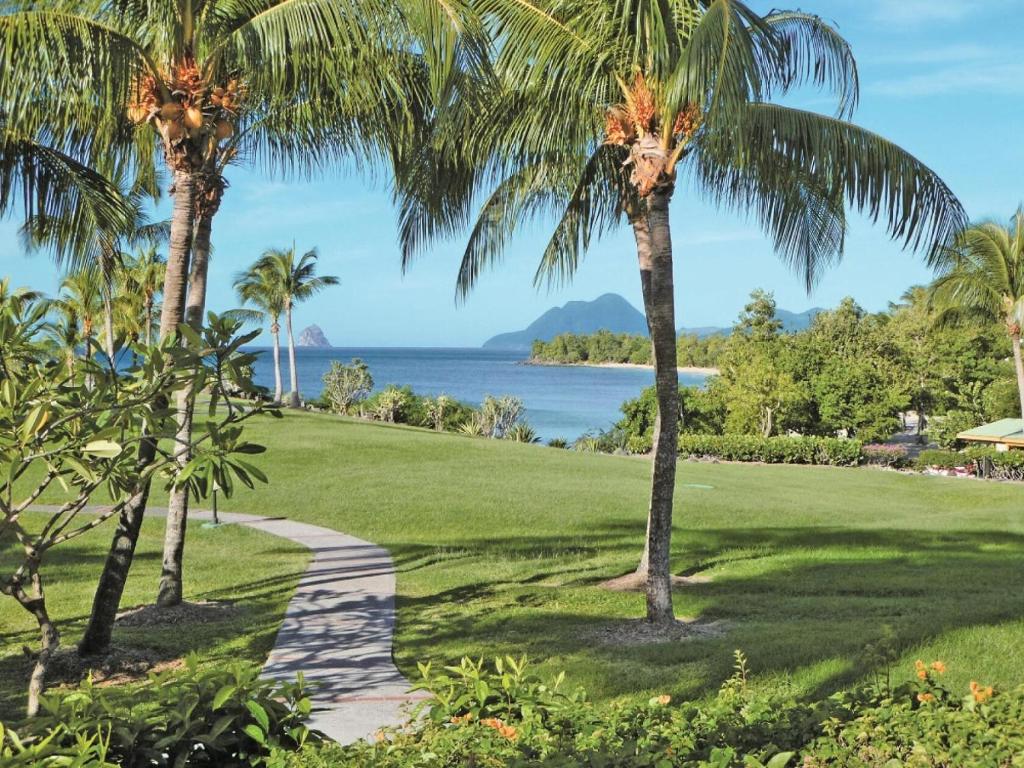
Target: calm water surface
point(561, 401)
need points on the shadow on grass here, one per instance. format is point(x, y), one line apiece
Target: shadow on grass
point(794, 599)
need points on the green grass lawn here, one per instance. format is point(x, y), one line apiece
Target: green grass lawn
point(257, 571)
point(499, 548)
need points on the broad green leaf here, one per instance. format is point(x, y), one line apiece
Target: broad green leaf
point(105, 449)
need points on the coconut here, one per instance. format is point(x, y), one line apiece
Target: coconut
point(193, 118)
point(172, 130)
point(223, 129)
point(137, 113)
point(170, 110)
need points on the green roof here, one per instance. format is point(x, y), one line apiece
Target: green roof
point(1002, 431)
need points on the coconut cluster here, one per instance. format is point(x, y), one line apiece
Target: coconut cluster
point(186, 107)
point(636, 124)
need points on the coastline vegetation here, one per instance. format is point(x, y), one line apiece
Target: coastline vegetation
point(604, 347)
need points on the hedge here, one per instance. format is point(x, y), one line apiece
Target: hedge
point(830, 451)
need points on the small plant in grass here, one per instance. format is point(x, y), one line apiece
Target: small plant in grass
point(558, 442)
point(522, 433)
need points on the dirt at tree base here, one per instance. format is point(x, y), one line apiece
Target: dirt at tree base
point(118, 666)
point(635, 582)
point(636, 632)
point(201, 612)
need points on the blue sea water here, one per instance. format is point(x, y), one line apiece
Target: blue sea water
point(560, 401)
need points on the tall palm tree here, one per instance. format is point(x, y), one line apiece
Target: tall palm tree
point(81, 298)
point(258, 288)
point(982, 280)
point(604, 107)
point(142, 280)
point(294, 281)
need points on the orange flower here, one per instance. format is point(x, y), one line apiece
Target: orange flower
point(508, 732)
point(664, 699)
point(925, 697)
point(460, 719)
point(922, 670)
point(378, 736)
point(981, 692)
point(939, 667)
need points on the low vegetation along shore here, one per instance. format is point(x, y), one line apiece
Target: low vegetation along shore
point(693, 369)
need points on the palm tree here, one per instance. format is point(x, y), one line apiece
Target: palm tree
point(605, 107)
point(258, 288)
point(141, 281)
point(293, 281)
point(80, 302)
point(982, 280)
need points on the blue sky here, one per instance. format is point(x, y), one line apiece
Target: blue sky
point(943, 78)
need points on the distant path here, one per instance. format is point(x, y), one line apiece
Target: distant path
point(338, 629)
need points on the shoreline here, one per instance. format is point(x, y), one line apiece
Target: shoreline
point(695, 369)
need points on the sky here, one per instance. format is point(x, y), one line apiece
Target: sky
point(942, 78)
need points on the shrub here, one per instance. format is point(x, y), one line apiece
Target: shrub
point(883, 455)
point(942, 460)
point(773, 450)
point(211, 717)
point(997, 465)
point(346, 385)
point(639, 444)
point(558, 442)
point(944, 429)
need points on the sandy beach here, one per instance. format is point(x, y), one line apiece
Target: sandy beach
point(682, 369)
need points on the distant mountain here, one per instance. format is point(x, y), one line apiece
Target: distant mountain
point(608, 312)
point(312, 337)
point(792, 322)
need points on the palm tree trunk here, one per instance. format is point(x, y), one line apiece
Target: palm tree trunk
point(96, 639)
point(108, 326)
point(642, 235)
point(275, 332)
point(171, 591)
point(294, 401)
point(661, 320)
point(149, 321)
point(1018, 361)
point(179, 252)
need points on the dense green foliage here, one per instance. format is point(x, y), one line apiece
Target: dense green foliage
point(851, 373)
point(607, 347)
point(222, 716)
point(502, 717)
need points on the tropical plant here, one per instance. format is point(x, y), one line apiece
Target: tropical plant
point(601, 108)
point(500, 414)
point(141, 282)
point(347, 385)
point(81, 305)
point(522, 433)
point(436, 410)
point(981, 280)
point(388, 404)
point(60, 430)
point(293, 281)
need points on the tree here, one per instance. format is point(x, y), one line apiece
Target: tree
point(60, 431)
point(81, 304)
point(259, 288)
point(294, 281)
point(603, 105)
point(981, 280)
point(142, 280)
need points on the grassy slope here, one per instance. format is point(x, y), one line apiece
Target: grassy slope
point(262, 582)
point(499, 546)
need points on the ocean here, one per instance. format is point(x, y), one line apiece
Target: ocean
point(560, 401)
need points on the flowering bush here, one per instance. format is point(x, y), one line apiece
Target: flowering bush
point(498, 716)
point(883, 455)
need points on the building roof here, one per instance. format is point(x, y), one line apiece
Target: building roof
point(1009, 431)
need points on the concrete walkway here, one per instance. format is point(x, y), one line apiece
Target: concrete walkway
point(338, 629)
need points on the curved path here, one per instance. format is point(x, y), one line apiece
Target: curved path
point(338, 629)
